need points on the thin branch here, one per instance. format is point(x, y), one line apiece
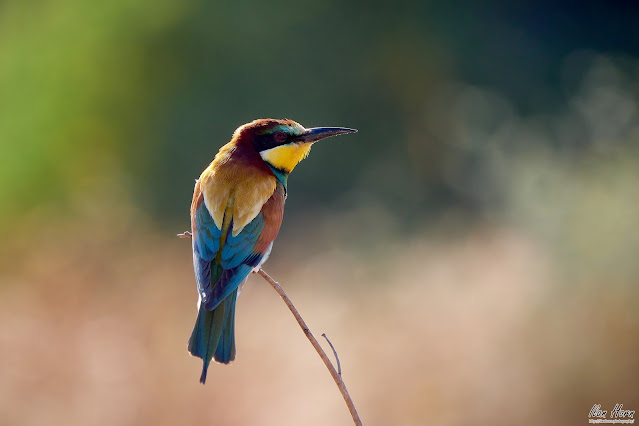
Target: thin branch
point(336, 376)
point(339, 367)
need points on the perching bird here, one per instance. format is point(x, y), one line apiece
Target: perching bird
point(236, 213)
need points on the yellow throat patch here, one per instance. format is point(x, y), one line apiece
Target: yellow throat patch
point(286, 157)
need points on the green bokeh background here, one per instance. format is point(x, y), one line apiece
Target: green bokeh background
point(144, 94)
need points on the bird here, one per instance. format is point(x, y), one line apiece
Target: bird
point(236, 213)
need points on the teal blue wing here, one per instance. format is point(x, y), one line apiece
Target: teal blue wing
point(238, 257)
point(240, 249)
point(206, 244)
point(237, 260)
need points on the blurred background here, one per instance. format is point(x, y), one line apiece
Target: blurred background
point(471, 252)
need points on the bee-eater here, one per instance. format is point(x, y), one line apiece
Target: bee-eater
point(236, 213)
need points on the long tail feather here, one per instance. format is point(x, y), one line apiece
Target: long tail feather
point(225, 351)
point(214, 334)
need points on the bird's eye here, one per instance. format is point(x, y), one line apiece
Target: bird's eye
point(280, 136)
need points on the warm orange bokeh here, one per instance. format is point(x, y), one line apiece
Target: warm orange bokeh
point(429, 331)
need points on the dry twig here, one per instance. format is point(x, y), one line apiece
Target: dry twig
point(339, 367)
point(336, 374)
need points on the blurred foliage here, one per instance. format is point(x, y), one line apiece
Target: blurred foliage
point(143, 93)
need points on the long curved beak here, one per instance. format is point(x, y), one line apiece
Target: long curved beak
point(316, 133)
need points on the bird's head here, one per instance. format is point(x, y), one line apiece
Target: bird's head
point(282, 144)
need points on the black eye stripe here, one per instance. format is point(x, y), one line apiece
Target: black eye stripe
point(269, 140)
